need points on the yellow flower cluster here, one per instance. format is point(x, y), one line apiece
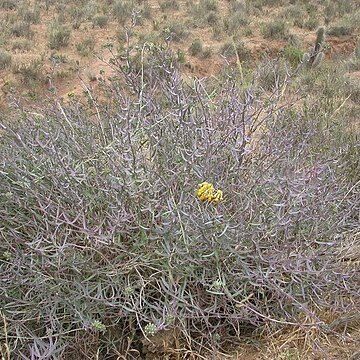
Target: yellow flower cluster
point(206, 192)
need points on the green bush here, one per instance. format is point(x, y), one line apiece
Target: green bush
point(275, 30)
point(175, 32)
point(235, 22)
point(169, 5)
point(59, 35)
point(293, 12)
point(21, 29)
point(196, 47)
point(100, 20)
point(341, 30)
point(292, 54)
point(122, 11)
point(22, 45)
point(86, 46)
point(230, 49)
point(311, 24)
point(76, 16)
point(29, 14)
point(8, 4)
point(146, 11)
point(5, 59)
point(204, 13)
point(31, 72)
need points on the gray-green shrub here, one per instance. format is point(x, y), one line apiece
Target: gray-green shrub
point(196, 47)
point(104, 241)
point(5, 59)
point(86, 46)
point(100, 20)
point(21, 29)
point(59, 35)
point(276, 29)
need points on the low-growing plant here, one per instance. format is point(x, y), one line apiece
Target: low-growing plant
point(207, 52)
point(21, 29)
point(5, 59)
point(204, 13)
point(86, 46)
point(311, 24)
point(122, 11)
point(169, 5)
point(175, 32)
point(239, 6)
point(146, 11)
point(8, 4)
point(30, 14)
point(275, 30)
point(293, 13)
point(100, 20)
point(235, 22)
point(196, 47)
point(31, 72)
point(231, 49)
point(22, 45)
point(341, 30)
point(273, 3)
point(76, 15)
point(59, 35)
point(292, 54)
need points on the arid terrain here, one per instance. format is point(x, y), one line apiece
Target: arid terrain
point(180, 179)
point(49, 48)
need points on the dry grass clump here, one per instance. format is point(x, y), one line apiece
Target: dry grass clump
point(105, 245)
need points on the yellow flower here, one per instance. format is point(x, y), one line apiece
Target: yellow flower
point(206, 192)
point(218, 196)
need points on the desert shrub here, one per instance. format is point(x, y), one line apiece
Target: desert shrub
point(8, 4)
point(196, 47)
point(100, 20)
point(345, 7)
point(146, 11)
point(341, 30)
point(92, 7)
point(230, 49)
point(122, 11)
point(292, 54)
point(59, 35)
point(169, 5)
point(204, 13)
point(234, 23)
point(104, 241)
point(311, 23)
point(5, 59)
point(86, 46)
point(238, 6)
point(76, 16)
point(353, 64)
point(273, 3)
point(293, 12)
point(58, 58)
point(30, 14)
point(175, 32)
point(31, 72)
point(275, 30)
point(22, 45)
point(21, 29)
point(207, 52)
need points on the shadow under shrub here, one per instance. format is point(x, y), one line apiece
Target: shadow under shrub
point(104, 243)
